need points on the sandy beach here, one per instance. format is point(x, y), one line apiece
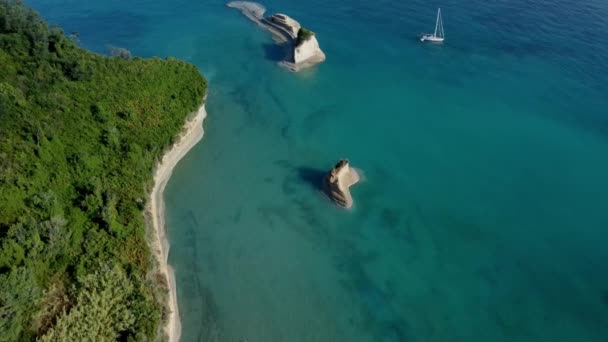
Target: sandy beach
point(191, 134)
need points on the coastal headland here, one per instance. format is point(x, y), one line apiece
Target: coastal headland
point(82, 137)
point(303, 47)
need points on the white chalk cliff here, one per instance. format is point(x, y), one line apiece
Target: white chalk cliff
point(338, 181)
point(286, 23)
point(308, 52)
point(285, 31)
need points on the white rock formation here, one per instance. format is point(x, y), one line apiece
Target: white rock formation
point(251, 10)
point(308, 52)
point(287, 23)
point(338, 181)
point(284, 30)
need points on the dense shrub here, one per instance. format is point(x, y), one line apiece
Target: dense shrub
point(304, 35)
point(79, 135)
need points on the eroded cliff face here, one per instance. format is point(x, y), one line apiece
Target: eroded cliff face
point(285, 31)
point(338, 181)
point(307, 50)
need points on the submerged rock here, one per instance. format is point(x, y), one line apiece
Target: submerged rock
point(338, 181)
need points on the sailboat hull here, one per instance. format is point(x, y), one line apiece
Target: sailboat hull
point(431, 38)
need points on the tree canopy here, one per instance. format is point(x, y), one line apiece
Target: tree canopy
point(79, 136)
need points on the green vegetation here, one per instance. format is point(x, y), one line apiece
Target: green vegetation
point(79, 135)
point(304, 35)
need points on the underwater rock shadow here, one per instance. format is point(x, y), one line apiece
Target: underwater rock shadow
point(312, 177)
point(275, 53)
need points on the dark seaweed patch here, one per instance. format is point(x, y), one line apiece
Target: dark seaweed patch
point(237, 215)
point(201, 305)
point(285, 164)
point(379, 319)
point(390, 217)
point(317, 119)
point(285, 131)
point(309, 215)
point(268, 213)
point(288, 187)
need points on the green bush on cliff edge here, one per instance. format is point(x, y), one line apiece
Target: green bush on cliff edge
point(79, 135)
point(304, 35)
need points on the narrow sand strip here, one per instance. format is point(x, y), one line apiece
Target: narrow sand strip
point(191, 134)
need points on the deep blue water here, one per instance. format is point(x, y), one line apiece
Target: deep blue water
point(484, 213)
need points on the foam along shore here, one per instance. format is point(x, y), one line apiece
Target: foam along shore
point(191, 134)
point(303, 53)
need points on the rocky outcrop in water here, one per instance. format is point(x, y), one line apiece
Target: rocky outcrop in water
point(338, 181)
point(303, 47)
point(308, 53)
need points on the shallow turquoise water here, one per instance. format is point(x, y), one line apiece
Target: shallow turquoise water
point(484, 212)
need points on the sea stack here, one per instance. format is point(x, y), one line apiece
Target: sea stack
point(338, 181)
point(304, 47)
point(301, 44)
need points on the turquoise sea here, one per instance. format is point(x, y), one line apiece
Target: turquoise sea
point(484, 211)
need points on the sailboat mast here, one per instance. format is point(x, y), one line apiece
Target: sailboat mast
point(441, 27)
point(437, 21)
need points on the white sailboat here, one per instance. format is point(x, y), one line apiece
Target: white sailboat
point(438, 36)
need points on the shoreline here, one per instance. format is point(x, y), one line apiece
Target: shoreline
point(192, 132)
